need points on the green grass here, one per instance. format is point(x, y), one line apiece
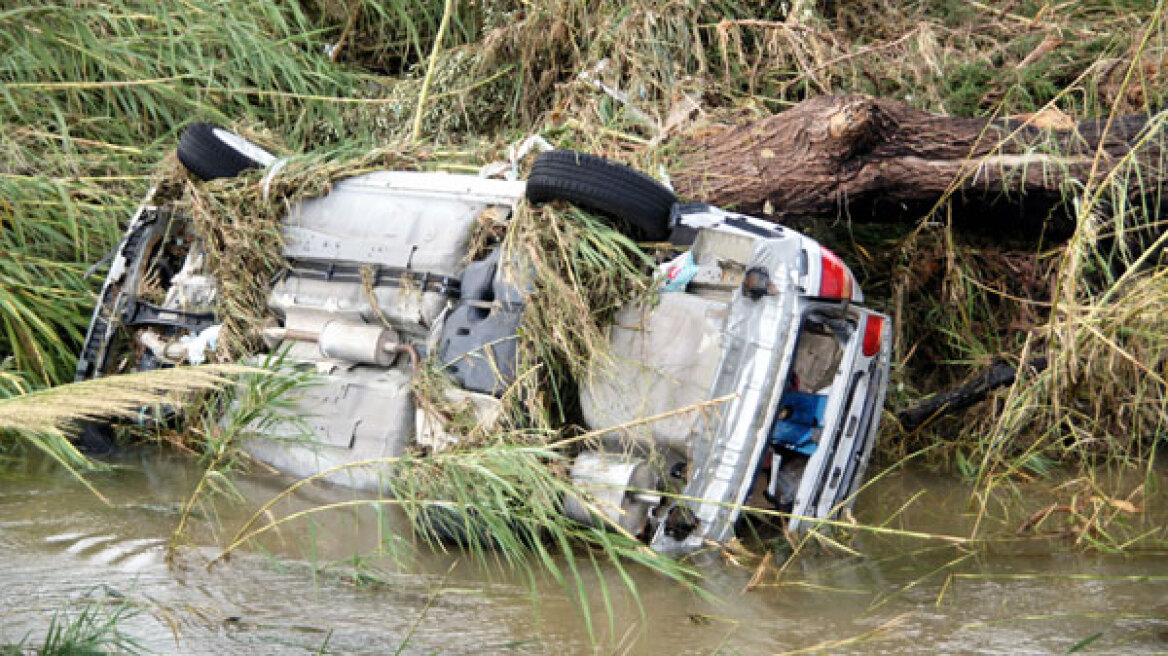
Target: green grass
point(92, 629)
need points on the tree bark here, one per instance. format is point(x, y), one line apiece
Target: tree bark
point(872, 159)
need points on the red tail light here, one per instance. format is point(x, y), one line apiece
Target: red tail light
point(873, 333)
point(835, 280)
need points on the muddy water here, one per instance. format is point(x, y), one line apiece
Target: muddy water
point(296, 593)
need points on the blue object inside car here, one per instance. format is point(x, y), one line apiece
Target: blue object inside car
point(798, 421)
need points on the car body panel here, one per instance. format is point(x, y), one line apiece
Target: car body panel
point(375, 271)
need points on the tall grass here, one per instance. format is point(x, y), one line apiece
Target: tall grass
point(93, 94)
point(44, 319)
point(138, 70)
point(45, 419)
point(1091, 307)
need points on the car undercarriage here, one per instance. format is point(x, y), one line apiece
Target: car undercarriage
point(754, 376)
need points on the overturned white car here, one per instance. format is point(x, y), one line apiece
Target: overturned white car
point(758, 326)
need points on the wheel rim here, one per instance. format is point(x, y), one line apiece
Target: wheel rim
point(245, 147)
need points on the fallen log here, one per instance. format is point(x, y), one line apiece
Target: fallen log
point(999, 374)
point(880, 160)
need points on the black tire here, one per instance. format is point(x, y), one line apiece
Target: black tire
point(465, 529)
point(452, 527)
point(95, 437)
point(208, 156)
point(604, 186)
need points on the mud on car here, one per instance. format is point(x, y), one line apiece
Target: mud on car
point(759, 326)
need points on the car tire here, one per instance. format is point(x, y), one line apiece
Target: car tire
point(95, 437)
point(209, 152)
point(604, 186)
point(452, 527)
point(464, 528)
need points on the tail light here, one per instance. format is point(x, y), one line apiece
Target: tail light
point(835, 280)
point(873, 334)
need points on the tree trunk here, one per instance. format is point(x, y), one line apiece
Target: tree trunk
point(872, 159)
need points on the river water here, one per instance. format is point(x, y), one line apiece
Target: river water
point(317, 586)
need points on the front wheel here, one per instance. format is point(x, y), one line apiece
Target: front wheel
point(210, 152)
point(604, 186)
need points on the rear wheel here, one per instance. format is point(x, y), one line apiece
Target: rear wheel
point(465, 528)
point(604, 186)
point(210, 152)
point(95, 437)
